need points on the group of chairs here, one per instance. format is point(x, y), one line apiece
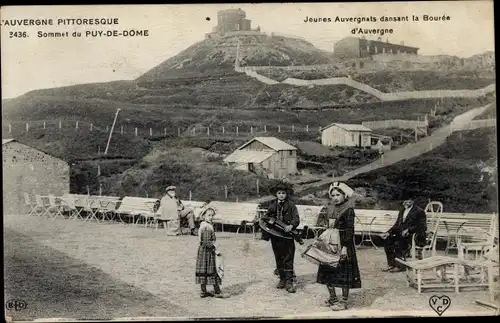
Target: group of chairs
point(475, 263)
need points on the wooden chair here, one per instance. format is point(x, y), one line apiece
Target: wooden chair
point(55, 207)
point(436, 210)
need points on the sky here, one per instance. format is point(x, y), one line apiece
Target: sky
point(36, 63)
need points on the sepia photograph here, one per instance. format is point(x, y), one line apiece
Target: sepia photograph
point(249, 161)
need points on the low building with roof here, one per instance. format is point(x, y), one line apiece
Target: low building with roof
point(266, 156)
point(346, 135)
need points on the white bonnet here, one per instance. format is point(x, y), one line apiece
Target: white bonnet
point(341, 187)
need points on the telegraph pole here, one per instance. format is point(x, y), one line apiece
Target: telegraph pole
point(111, 132)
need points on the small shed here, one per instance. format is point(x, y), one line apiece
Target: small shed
point(345, 135)
point(30, 170)
point(266, 156)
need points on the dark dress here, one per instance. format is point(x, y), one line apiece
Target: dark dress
point(206, 270)
point(347, 273)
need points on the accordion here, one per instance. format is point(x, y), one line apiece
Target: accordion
point(322, 255)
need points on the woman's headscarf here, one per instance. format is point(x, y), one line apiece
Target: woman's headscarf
point(334, 211)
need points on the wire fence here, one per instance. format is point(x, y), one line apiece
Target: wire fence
point(20, 127)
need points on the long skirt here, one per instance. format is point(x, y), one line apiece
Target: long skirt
point(345, 275)
point(206, 271)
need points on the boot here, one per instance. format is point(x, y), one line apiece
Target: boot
point(331, 301)
point(276, 272)
point(193, 233)
point(281, 284)
point(219, 293)
point(339, 306)
point(290, 287)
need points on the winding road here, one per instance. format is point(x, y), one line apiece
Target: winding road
point(412, 150)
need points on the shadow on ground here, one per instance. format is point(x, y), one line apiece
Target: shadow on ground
point(55, 285)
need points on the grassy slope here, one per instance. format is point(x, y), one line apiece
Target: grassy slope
point(451, 174)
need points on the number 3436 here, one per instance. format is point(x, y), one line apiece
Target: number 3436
point(18, 34)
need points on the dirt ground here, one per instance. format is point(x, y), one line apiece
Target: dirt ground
point(72, 269)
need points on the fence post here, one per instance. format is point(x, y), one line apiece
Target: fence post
point(251, 130)
point(27, 126)
point(190, 195)
point(307, 128)
point(76, 125)
point(279, 128)
point(208, 131)
point(265, 128)
point(223, 130)
point(107, 128)
point(136, 131)
point(98, 150)
point(43, 125)
point(258, 187)
point(60, 125)
point(121, 130)
point(165, 131)
point(91, 126)
point(225, 191)
point(416, 134)
point(293, 128)
point(10, 128)
point(150, 132)
point(236, 129)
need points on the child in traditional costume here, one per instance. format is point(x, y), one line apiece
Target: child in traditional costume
point(340, 235)
point(284, 249)
point(207, 272)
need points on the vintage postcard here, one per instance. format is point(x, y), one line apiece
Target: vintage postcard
point(225, 161)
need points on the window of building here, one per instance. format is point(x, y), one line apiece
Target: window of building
point(282, 162)
point(352, 137)
point(290, 153)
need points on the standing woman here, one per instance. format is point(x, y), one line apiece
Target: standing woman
point(346, 275)
point(206, 269)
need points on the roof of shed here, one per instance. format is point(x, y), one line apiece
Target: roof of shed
point(349, 127)
point(271, 142)
point(248, 156)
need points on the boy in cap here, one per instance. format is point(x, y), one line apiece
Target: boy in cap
point(284, 249)
point(173, 210)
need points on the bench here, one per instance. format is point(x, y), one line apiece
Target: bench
point(234, 213)
point(312, 218)
point(439, 279)
point(141, 207)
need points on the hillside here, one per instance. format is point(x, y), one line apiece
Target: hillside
point(462, 174)
point(216, 57)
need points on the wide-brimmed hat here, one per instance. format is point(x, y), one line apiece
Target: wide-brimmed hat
point(170, 188)
point(343, 187)
point(205, 209)
point(281, 187)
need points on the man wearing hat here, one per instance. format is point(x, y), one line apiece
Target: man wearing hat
point(411, 220)
point(284, 249)
point(173, 210)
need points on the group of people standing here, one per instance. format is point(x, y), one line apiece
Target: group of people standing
point(410, 223)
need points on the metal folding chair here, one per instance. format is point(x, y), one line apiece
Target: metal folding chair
point(41, 207)
point(30, 204)
point(70, 204)
point(91, 209)
point(55, 208)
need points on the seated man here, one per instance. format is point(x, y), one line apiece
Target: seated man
point(173, 210)
point(411, 220)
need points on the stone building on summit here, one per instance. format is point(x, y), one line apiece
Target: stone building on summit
point(232, 20)
point(352, 47)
